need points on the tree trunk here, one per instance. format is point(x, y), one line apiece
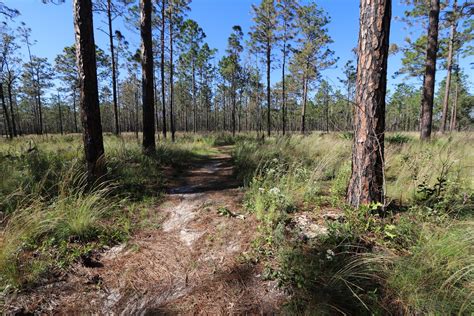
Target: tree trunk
point(452, 35)
point(454, 110)
point(12, 112)
point(89, 100)
point(162, 70)
point(114, 75)
point(40, 111)
point(303, 110)
point(5, 112)
point(430, 72)
point(194, 97)
point(137, 123)
point(172, 125)
point(326, 105)
point(233, 105)
point(223, 109)
point(367, 181)
point(60, 116)
point(74, 109)
point(269, 51)
point(350, 109)
point(147, 77)
point(283, 91)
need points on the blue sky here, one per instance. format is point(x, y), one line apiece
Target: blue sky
point(52, 28)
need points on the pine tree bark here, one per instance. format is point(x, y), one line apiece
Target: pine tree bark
point(426, 119)
point(89, 98)
point(447, 90)
point(366, 183)
point(147, 77)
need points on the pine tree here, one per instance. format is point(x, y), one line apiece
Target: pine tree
point(426, 118)
point(287, 27)
point(264, 37)
point(312, 54)
point(366, 183)
point(87, 69)
point(147, 77)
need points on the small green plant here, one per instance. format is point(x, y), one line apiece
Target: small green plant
point(224, 211)
point(398, 139)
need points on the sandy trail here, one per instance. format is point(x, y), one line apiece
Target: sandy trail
point(191, 264)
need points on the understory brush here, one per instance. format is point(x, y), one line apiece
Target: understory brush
point(411, 256)
point(50, 216)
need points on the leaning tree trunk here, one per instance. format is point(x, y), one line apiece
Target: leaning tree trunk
point(454, 110)
point(147, 77)
point(426, 119)
point(366, 183)
point(452, 35)
point(89, 99)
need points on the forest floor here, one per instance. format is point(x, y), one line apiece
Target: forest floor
point(192, 260)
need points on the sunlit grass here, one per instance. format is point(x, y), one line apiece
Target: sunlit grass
point(51, 215)
point(415, 258)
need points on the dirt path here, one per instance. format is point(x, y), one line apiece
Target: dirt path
point(191, 264)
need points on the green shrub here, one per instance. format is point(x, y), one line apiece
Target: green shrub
point(397, 138)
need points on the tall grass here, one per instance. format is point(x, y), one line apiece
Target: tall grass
point(40, 228)
point(437, 277)
point(50, 216)
point(414, 259)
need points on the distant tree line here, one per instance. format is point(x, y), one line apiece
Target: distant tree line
point(194, 92)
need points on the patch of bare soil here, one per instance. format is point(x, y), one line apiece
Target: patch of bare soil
point(192, 264)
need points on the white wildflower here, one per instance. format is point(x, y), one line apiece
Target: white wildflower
point(330, 254)
point(275, 191)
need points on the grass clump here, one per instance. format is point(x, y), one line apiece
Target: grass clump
point(43, 235)
point(437, 277)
